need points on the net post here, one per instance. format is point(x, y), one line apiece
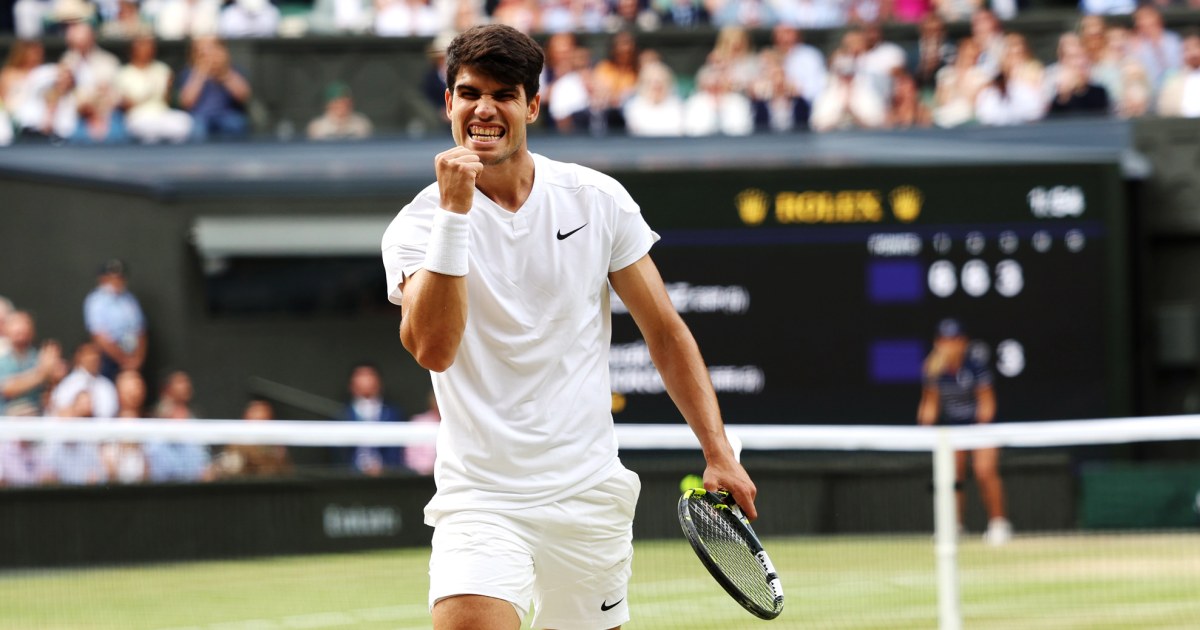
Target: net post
point(945, 523)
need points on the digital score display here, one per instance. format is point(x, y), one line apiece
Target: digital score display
point(815, 294)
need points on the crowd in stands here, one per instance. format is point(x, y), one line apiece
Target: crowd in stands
point(990, 77)
point(104, 381)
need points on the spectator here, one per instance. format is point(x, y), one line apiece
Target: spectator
point(23, 463)
point(1107, 7)
point(803, 64)
point(254, 460)
point(1009, 99)
point(655, 109)
point(1135, 93)
point(406, 18)
point(75, 463)
point(734, 57)
point(433, 84)
point(420, 458)
point(25, 370)
point(100, 121)
point(178, 461)
point(632, 15)
point(615, 78)
point(1181, 91)
point(1023, 67)
point(567, 94)
point(340, 121)
point(1075, 94)
point(175, 396)
point(93, 68)
point(519, 14)
point(850, 100)
point(127, 24)
point(214, 92)
point(988, 34)
point(22, 78)
point(958, 86)
point(744, 14)
point(126, 462)
point(906, 108)
point(131, 394)
point(143, 86)
point(934, 52)
point(715, 108)
point(86, 377)
point(911, 11)
point(861, 12)
point(775, 104)
point(812, 14)
point(184, 19)
point(341, 16)
point(682, 13)
point(956, 10)
point(367, 405)
point(29, 18)
point(248, 18)
point(1157, 49)
point(879, 59)
point(557, 16)
point(115, 321)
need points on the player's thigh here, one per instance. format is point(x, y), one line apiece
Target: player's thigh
point(480, 553)
point(960, 465)
point(474, 612)
point(586, 559)
point(986, 463)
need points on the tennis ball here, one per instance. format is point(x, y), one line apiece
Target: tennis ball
point(689, 482)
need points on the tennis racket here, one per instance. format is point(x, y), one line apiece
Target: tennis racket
point(721, 536)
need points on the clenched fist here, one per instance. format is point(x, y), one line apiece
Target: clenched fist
point(456, 172)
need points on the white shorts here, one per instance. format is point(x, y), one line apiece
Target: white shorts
point(572, 559)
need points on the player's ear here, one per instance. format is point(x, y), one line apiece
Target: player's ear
point(535, 106)
point(449, 102)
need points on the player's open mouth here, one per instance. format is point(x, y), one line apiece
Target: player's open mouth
point(485, 134)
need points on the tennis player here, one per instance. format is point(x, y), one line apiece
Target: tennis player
point(502, 269)
point(958, 391)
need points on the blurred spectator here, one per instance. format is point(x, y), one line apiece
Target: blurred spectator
point(630, 15)
point(570, 107)
point(22, 78)
point(178, 461)
point(934, 51)
point(115, 321)
point(1107, 7)
point(25, 370)
point(851, 99)
point(775, 104)
point(1074, 92)
point(615, 78)
point(248, 18)
point(958, 85)
point(868, 11)
point(1010, 98)
point(812, 14)
point(803, 65)
point(433, 84)
point(29, 17)
point(100, 121)
point(880, 59)
point(126, 462)
point(682, 13)
point(340, 121)
point(183, 19)
point(341, 16)
point(734, 57)
point(406, 18)
point(910, 11)
point(86, 377)
point(1135, 94)
point(143, 86)
point(906, 108)
point(1023, 67)
point(6, 309)
point(557, 16)
point(127, 24)
point(1157, 49)
point(988, 34)
point(1180, 94)
point(715, 108)
point(214, 92)
point(956, 10)
point(420, 458)
point(519, 14)
point(93, 68)
point(75, 463)
point(254, 460)
point(367, 405)
point(655, 109)
point(175, 396)
point(23, 463)
point(745, 14)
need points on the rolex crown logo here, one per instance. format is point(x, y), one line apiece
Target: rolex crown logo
point(906, 203)
point(752, 206)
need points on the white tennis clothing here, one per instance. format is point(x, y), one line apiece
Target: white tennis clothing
point(526, 405)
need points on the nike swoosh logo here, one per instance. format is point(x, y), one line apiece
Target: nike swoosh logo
point(561, 236)
point(605, 607)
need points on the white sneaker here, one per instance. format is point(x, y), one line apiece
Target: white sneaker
point(998, 533)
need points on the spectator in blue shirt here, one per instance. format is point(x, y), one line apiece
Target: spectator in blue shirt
point(115, 321)
point(214, 92)
point(367, 405)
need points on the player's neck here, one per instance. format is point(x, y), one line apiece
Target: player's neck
point(509, 183)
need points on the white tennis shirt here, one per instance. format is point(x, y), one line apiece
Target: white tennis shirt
point(526, 406)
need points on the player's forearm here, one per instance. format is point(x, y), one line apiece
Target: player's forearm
point(434, 318)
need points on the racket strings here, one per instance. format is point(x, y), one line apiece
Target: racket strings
point(729, 549)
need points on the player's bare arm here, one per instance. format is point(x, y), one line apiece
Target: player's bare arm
point(677, 357)
point(985, 404)
point(927, 411)
point(435, 305)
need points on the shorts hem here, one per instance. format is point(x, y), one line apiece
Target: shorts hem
point(522, 611)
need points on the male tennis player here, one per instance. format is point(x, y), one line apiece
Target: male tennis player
point(958, 391)
point(502, 269)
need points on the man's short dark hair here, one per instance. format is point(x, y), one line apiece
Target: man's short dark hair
point(500, 52)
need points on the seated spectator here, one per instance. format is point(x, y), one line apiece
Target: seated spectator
point(143, 87)
point(956, 10)
point(958, 86)
point(1023, 67)
point(23, 463)
point(570, 109)
point(17, 85)
point(178, 461)
point(433, 84)
point(1180, 95)
point(254, 460)
point(906, 109)
point(340, 121)
point(184, 19)
point(734, 57)
point(341, 16)
point(1157, 49)
point(1136, 93)
point(75, 463)
point(744, 14)
point(879, 59)
point(406, 18)
point(114, 320)
point(988, 33)
point(775, 104)
point(714, 108)
point(175, 396)
point(86, 377)
point(1009, 99)
point(367, 405)
point(29, 18)
point(126, 462)
point(655, 109)
point(100, 120)
point(131, 394)
point(934, 52)
point(519, 14)
point(1074, 93)
point(25, 370)
point(850, 99)
point(803, 64)
point(420, 458)
point(248, 18)
point(632, 15)
point(615, 78)
point(1107, 7)
point(93, 68)
point(682, 13)
point(812, 14)
point(214, 92)
point(908, 11)
point(128, 23)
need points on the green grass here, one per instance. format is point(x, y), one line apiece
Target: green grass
point(1060, 582)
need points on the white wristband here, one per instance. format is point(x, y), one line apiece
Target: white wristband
point(449, 240)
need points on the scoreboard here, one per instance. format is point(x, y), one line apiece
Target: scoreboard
point(815, 294)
